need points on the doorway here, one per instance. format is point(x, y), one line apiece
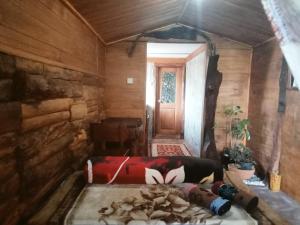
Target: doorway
point(176, 74)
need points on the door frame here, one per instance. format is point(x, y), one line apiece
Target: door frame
point(156, 105)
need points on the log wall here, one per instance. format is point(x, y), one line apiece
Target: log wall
point(51, 87)
point(263, 104)
point(45, 113)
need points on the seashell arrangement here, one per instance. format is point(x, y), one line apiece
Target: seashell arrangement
point(159, 205)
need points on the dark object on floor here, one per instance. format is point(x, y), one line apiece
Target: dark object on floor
point(213, 83)
point(247, 200)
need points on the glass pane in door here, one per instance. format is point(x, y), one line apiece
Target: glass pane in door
point(168, 88)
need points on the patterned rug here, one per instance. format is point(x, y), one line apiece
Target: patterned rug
point(170, 150)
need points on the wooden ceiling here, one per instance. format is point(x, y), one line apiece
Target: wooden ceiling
point(240, 20)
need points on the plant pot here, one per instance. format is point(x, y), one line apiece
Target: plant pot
point(243, 174)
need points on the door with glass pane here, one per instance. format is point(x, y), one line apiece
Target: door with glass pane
point(169, 101)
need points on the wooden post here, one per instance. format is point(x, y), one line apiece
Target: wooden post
point(213, 83)
point(276, 153)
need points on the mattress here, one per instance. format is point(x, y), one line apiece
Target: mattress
point(95, 197)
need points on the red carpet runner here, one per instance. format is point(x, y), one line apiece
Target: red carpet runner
point(169, 150)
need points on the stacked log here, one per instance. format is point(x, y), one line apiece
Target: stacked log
point(45, 113)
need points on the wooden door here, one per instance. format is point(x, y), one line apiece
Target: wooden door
point(169, 101)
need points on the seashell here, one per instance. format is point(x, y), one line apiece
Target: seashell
point(180, 208)
point(146, 194)
point(158, 214)
point(138, 215)
point(177, 200)
point(119, 212)
point(130, 199)
point(176, 191)
point(106, 211)
point(114, 205)
point(136, 222)
point(165, 204)
point(159, 200)
point(126, 206)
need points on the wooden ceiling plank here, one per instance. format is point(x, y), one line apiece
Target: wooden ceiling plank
point(70, 6)
point(238, 16)
point(240, 20)
point(186, 4)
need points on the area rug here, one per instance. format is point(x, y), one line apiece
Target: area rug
point(170, 150)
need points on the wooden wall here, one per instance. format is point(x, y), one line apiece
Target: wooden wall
point(235, 65)
point(263, 101)
point(51, 88)
point(47, 31)
point(121, 99)
point(264, 92)
point(290, 155)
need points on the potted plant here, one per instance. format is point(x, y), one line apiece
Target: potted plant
point(238, 155)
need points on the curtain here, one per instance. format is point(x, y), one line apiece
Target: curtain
point(285, 18)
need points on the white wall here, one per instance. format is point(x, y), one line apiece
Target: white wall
point(150, 98)
point(194, 102)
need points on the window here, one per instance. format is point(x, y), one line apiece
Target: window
point(168, 90)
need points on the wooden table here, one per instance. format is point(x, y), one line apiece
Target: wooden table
point(122, 134)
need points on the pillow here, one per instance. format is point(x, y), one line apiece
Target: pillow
point(152, 170)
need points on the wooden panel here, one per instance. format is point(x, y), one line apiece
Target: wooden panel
point(290, 157)
point(118, 19)
point(239, 20)
point(167, 118)
point(235, 65)
point(194, 112)
point(122, 100)
point(47, 31)
point(263, 101)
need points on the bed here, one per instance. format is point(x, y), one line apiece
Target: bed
point(95, 197)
